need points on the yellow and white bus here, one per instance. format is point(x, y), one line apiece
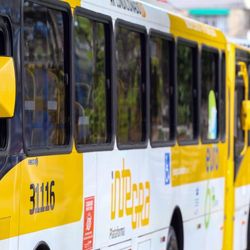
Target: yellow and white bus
point(123, 126)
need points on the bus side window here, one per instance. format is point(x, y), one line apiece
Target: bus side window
point(239, 96)
point(131, 115)
point(187, 94)
point(46, 88)
point(209, 94)
point(92, 81)
point(161, 55)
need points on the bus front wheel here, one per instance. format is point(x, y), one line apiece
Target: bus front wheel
point(172, 243)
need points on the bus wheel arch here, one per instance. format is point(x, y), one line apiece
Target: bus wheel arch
point(42, 245)
point(177, 225)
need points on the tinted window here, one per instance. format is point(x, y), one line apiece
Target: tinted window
point(209, 96)
point(239, 96)
point(131, 78)
point(186, 86)
point(160, 89)
point(91, 74)
point(46, 88)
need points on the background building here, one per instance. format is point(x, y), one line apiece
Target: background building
point(231, 16)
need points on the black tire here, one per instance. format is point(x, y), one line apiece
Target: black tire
point(172, 243)
point(248, 233)
point(42, 246)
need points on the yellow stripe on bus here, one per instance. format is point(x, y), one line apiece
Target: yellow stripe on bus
point(49, 190)
point(197, 163)
point(195, 31)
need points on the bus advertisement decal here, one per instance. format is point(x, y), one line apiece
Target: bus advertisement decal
point(167, 168)
point(131, 6)
point(88, 231)
point(212, 159)
point(130, 198)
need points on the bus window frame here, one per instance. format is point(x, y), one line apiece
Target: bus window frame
point(6, 28)
point(66, 10)
point(222, 77)
point(172, 84)
point(145, 67)
point(196, 128)
point(216, 51)
point(106, 20)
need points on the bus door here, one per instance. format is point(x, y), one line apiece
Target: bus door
point(241, 153)
point(240, 114)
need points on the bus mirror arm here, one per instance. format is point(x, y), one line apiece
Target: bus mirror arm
point(245, 123)
point(245, 115)
point(245, 106)
point(7, 87)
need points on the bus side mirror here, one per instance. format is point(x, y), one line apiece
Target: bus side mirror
point(7, 87)
point(245, 115)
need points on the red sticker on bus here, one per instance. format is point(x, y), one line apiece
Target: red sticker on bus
point(88, 231)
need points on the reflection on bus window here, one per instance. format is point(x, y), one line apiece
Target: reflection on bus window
point(129, 58)
point(212, 116)
point(185, 84)
point(209, 96)
point(45, 111)
point(160, 90)
point(90, 77)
